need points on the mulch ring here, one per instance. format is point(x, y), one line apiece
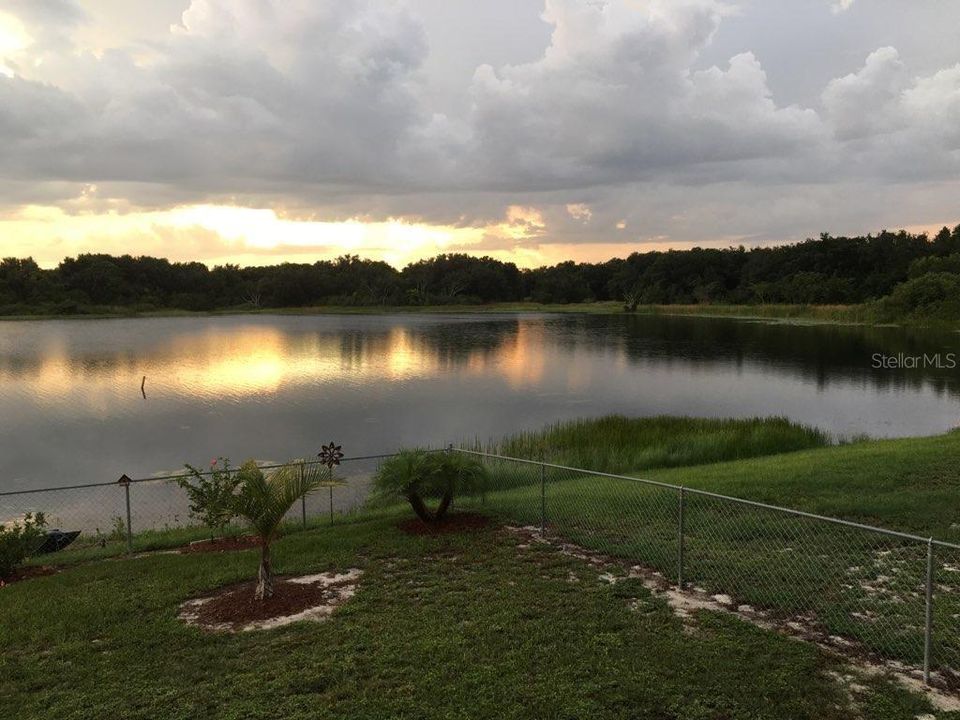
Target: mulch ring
point(25, 573)
point(225, 544)
point(457, 522)
point(234, 609)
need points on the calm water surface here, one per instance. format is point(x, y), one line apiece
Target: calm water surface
point(276, 387)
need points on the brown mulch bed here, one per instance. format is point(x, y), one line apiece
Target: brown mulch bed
point(457, 522)
point(244, 542)
point(237, 607)
point(25, 573)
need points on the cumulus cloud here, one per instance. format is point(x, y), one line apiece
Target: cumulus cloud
point(893, 126)
point(250, 96)
point(323, 109)
point(614, 99)
point(839, 6)
point(867, 102)
point(244, 95)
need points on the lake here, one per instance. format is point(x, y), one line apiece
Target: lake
point(277, 387)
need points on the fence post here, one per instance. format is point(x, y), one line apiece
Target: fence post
point(680, 540)
point(125, 482)
point(303, 500)
point(928, 620)
point(543, 499)
point(331, 497)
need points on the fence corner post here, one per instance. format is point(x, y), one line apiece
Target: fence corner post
point(928, 618)
point(680, 540)
point(125, 481)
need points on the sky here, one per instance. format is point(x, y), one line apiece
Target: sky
point(536, 131)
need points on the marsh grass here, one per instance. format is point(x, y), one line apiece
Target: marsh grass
point(618, 444)
point(865, 313)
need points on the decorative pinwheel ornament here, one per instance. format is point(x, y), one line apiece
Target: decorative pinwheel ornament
point(330, 455)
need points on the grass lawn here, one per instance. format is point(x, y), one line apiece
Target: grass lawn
point(442, 627)
point(857, 584)
point(910, 484)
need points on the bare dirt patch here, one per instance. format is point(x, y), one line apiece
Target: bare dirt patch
point(455, 523)
point(234, 609)
point(226, 544)
point(25, 573)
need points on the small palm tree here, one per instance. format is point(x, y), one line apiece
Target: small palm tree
point(417, 475)
point(264, 500)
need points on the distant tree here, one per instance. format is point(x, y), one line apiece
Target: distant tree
point(827, 269)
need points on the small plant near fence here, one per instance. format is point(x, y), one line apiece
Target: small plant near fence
point(212, 494)
point(18, 540)
point(418, 475)
point(263, 501)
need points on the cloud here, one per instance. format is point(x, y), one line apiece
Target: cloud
point(610, 131)
point(840, 6)
point(316, 98)
point(245, 95)
point(614, 99)
point(894, 126)
point(866, 102)
point(579, 211)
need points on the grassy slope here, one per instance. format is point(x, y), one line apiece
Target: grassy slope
point(910, 484)
point(859, 584)
point(456, 626)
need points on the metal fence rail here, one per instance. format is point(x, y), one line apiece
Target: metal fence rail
point(894, 594)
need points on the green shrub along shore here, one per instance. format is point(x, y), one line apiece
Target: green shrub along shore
point(481, 620)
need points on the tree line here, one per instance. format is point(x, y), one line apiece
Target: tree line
point(828, 270)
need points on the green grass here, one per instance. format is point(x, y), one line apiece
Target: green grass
point(617, 444)
point(910, 484)
point(857, 584)
point(455, 626)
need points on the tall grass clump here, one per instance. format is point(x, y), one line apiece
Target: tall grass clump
point(620, 444)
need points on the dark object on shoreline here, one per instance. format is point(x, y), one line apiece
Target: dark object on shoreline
point(143, 390)
point(55, 541)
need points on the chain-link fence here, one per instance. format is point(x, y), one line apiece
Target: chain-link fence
point(883, 594)
point(154, 512)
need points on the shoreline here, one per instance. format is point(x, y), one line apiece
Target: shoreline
point(805, 314)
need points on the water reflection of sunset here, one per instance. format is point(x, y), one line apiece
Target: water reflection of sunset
point(520, 360)
point(275, 386)
point(259, 359)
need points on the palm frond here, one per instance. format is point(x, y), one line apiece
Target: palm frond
point(265, 499)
